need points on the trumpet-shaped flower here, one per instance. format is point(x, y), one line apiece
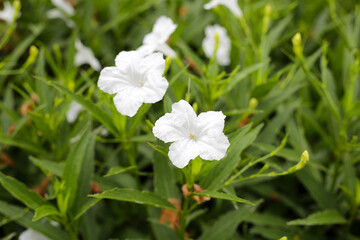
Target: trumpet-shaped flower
point(156, 40)
point(136, 79)
point(7, 14)
point(192, 135)
point(224, 44)
point(73, 112)
point(30, 234)
point(231, 4)
point(85, 55)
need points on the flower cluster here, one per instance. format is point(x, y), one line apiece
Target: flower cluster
point(137, 78)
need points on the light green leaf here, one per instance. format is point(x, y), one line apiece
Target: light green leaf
point(96, 112)
point(21, 192)
point(224, 196)
point(118, 170)
point(44, 211)
point(327, 217)
point(50, 166)
point(135, 196)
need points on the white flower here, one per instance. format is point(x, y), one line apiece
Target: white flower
point(192, 135)
point(136, 79)
point(231, 4)
point(224, 47)
point(7, 14)
point(65, 6)
point(73, 112)
point(30, 234)
point(56, 13)
point(85, 55)
point(156, 40)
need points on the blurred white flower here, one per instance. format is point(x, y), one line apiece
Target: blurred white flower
point(231, 4)
point(85, 55)
point(62, 7)
point(224, 47)
point(192, 135)
point(56, 13)
point(136, 79)
point(73, 112)
point(7, 14)
point(65, 6)
point(30, 234)
point(156, 40)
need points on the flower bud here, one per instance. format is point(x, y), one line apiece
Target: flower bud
point(167, 64)
point(297, 45)
point(253, 103)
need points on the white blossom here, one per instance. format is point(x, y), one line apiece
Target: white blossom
point(192, 135)
point(156, 40)
point(85, 55)
point(136, 79)
point(73, 112)
point(7, 14)
point(56, 13)
point(231, 4)
point(30, 234)
point(62, 7)
point(65, 6)
point(224, 47)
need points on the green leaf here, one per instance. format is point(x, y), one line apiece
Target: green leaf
point(95, 111)
point(118, 170)
point(44, 211)
point(135, 196)
point(49, 166)
point(238, 142)
point(226, 225)
point(327, 217)
point(85, 207)
point(73, 171)
point(21, 143)
point(23, 217)
point(21, 192)
point(224, 196)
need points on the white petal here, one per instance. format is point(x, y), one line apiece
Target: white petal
point(210, 123)
point(166, 130)
point(182, 151)
point(154, 87)
point(231, 4)
point(55, 13)
point(7, 14)
point(30, 234)
point(162, 30)
point(73, 112)
point(65, 6)
point(213, 147)
point(208, 44)
point(152, 62)
point(128, 100)
point(166, 50)
point(112, 80)
point(85, 55)
point(128, 58)
point(178, 124)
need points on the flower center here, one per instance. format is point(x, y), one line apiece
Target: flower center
point(192, 136)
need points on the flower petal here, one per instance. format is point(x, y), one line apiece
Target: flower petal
point(166, 130)
point(210, 123)
point(65, 6)
point(126, 59)
point(73, 112)
point(7, 14)
point(30, 234)
point(213, 147)
point(182, 151)
point(208, 44)
point(85, 55)
point(176, 125)
point(112, 80)
point(166, 50)
point(162, 30)
point(128, 100)
point(152, 62)
point(154, 87)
